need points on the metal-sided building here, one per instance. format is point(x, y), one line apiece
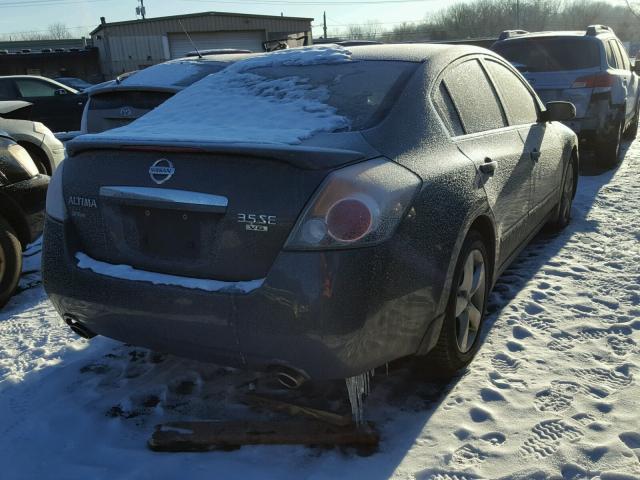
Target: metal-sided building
point(136, 44)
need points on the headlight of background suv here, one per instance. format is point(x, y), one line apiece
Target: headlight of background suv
point(356, 206)
point(55, 199)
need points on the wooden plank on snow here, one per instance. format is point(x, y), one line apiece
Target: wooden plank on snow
point(297, 410)
point(206, 436)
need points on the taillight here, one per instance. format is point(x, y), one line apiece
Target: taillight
point(600, 80)
point(359, 205)
point(349, 220)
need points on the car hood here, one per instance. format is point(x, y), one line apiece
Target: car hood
point(10, 106)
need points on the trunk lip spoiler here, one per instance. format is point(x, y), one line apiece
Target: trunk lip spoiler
point(306, 157)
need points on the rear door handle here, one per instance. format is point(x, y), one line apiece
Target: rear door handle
point(535, 155)
point(488, 167)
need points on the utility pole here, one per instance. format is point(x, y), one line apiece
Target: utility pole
point(140, 10)
point(324, 17)
point(517, 14)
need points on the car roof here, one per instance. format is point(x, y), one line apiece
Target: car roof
point(413, 52)
point(38, 77)
point(562, 33)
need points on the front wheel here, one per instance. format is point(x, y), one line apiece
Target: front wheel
point(459, 337)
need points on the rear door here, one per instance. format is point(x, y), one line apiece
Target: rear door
point(541, 145)
point(492, 145)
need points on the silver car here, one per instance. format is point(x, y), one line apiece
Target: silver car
point(44, 148)
point(590, 69)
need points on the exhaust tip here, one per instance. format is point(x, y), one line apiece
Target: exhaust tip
point(289, 377)
point(77, 327)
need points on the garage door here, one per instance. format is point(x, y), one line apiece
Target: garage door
point(179, 44)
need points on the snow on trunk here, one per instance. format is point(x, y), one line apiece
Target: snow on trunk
point(240, 106)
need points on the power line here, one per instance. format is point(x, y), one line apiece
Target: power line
point(41, 3)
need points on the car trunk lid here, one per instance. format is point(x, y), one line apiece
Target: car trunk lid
point(220, 212)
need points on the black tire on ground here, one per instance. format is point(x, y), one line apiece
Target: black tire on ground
point(38, 157)
point(447, 358)
point(563, 216)
point(632, 130)
point(10, 261)
point(608, 148)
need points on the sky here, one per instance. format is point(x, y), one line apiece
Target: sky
point(81, 16)
point(84, 15)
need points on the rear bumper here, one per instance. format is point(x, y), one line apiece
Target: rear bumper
point(329, 314)
point(28, 204)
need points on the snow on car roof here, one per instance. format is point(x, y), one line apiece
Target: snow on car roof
point(236, 105)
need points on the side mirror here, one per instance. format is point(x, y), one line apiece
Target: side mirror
point(636, 67)
point(61, 91)
point(559, 112)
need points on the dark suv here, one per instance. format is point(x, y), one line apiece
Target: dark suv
point(590, 69)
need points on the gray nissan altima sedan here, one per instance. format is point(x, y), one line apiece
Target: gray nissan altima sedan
point(317, 212)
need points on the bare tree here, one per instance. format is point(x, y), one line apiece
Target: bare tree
point(58, 31)
point(487, 18)
point(371, 30)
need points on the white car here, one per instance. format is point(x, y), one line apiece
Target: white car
point(44, 148)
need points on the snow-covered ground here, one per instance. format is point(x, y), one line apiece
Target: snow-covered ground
point(553, 393)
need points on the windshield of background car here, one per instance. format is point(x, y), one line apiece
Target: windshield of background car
point(550, 54)
point(361, 91)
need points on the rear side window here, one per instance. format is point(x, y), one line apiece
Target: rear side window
point(551, 54)
point(7, 90)
point(35, 88)
point(616, 54)
point(474, 97)
point(611, 58)
point(517, 100)
point(626, 64)
point(447, 110)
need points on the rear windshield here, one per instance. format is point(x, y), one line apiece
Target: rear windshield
point(177, 73)
point(363, 92)
point(550, 54)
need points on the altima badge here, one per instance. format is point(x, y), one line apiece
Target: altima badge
point(161, 171)
point(126, 112)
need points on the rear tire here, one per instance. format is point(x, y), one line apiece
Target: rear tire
point(608, 149)
point(465, 310)
point(10, 261)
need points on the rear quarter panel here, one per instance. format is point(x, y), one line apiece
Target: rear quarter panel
point(451, 197)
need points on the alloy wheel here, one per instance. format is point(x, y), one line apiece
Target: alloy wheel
point(470, 300)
